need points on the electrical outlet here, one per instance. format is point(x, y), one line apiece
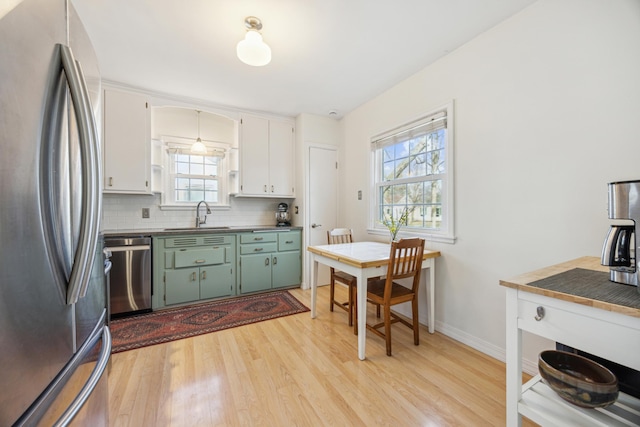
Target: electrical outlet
point(145, 212)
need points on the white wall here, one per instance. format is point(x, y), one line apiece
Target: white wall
point(547, 106)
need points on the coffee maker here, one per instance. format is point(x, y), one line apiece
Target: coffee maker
point(282, 216)
point(619, 249)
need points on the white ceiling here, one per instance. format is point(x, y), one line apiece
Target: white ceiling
point(326, 54)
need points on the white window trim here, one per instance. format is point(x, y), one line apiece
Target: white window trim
point(167, 203)
point(445, 235)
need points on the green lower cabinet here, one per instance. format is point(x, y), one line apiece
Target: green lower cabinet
point(193, 267)
point(269, 260)
point(255, 273)
point(190, 268)
point(217, 281)
point(182, 285)
point(286, 269)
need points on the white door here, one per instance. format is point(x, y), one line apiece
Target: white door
point(322, 214)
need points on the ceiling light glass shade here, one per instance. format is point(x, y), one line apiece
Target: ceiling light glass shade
point(252, 50)
point(198, 147)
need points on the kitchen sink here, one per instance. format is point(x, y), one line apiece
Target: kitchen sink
point(197, 228)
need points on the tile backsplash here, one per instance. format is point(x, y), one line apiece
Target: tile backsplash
point(124, 212)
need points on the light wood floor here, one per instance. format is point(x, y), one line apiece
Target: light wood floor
point(298, 371)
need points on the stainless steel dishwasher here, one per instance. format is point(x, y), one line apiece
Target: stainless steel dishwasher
point(130, 280)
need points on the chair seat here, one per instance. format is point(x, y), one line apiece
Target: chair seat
point(375, 291)
point(345, 278)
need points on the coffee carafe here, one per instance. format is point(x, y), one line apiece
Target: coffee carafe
point(619, 249)
point(282, 215)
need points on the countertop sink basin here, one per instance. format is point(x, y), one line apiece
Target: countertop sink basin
point(197, 228)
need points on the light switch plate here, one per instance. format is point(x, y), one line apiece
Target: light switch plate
point(145, 212)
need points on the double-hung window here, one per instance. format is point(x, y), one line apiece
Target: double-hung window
point(194, 177)
point(413, 172)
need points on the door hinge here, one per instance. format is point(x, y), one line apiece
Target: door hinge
point(146, 105)
point(146, 183)
point(336, 165)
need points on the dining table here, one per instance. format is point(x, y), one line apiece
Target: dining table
point(365, 260)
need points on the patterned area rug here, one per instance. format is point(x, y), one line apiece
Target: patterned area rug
point(174, 324)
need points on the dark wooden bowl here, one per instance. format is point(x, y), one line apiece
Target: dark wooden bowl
point(577, 379)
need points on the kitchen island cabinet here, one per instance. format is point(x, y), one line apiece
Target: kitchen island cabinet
point(266, 157)
point(127, 143)
point(598, 326)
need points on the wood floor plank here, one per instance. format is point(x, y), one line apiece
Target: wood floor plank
point(298, 371)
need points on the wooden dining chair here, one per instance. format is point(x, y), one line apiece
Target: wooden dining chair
point(405, 261)
point(335, 236)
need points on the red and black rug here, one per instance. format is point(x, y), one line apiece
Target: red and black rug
point(174, 324)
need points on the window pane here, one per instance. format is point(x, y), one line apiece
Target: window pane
point(401, 149)
point(388, 169)
point(415, 193)
point(433, 191)
point(196, 195)
point(182, 168)
point(211, 196)
point(182, 183)
point(210, 185)
point(182, 195)
point(210, 170)
point(418, 165)
point(386, 195)
point(197, 169)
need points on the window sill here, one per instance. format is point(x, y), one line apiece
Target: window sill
point(429, 237)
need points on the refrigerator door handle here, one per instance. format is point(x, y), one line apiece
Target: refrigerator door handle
point(89, 227)
point(90, 385)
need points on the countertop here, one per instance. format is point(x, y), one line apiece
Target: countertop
point(626, 297)
point(205, 229)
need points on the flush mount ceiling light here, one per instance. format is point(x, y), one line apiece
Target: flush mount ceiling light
point(252, 50)
point(198, 146)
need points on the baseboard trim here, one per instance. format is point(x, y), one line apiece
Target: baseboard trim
point(485, 347)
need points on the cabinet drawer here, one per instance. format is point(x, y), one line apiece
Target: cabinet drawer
point(197, 257)
point(578, 326)
point(289, 241)
point(258, 237)
point(258, 248)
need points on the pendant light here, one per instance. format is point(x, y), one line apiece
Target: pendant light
point(252, 50)
point(198, 147)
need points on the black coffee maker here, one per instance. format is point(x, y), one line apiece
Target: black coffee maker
point(282, 216)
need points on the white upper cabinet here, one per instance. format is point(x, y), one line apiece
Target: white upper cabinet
point(127, 139)
point(266, 157)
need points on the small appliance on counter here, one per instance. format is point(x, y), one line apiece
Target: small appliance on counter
point(619, 249)
point(282, 216)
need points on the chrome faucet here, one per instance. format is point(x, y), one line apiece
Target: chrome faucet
point(199, 221)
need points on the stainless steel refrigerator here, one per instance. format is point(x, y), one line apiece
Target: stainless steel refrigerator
point(54, 341)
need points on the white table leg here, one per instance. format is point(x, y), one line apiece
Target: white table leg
point(314, 285)
point(362, 312)
point(513, 359)
point(431, 289)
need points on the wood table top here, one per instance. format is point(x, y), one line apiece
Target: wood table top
point(527, 282)
point(361, 254)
